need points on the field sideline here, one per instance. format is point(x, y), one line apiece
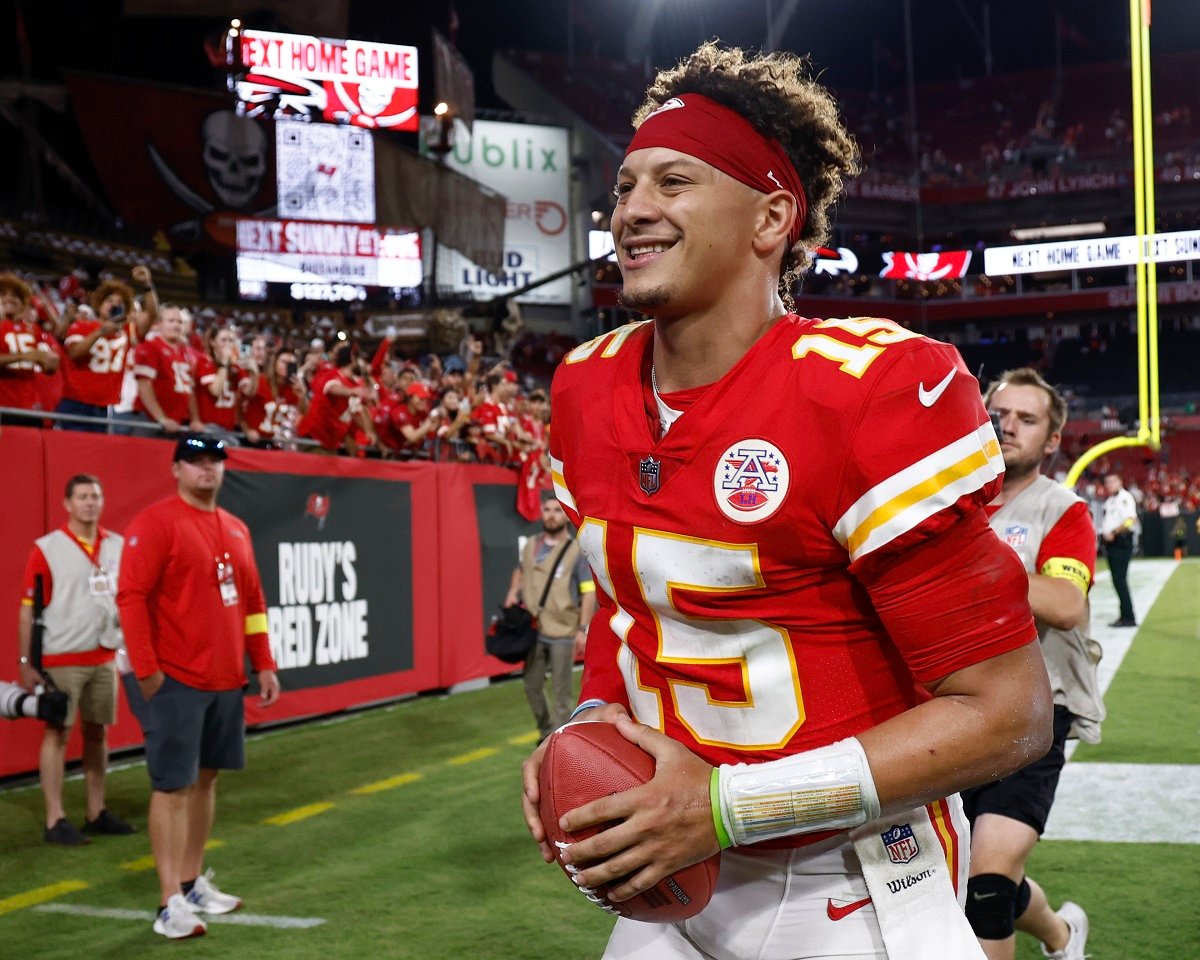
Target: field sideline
point(397, 832)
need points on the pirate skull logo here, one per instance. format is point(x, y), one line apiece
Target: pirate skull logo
point(235, 156)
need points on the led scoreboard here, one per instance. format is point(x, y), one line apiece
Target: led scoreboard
point(366, 84)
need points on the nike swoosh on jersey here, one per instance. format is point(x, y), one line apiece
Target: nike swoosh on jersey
point(837, 911)
point(929, 397)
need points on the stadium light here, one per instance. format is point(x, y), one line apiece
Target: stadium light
point(1057, 230)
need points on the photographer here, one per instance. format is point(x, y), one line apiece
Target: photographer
point(16, 704)
point(77, 567)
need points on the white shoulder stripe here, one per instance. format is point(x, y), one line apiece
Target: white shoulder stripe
point(560, 485)
point(906, 499)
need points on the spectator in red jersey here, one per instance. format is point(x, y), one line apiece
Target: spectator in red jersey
point(452, 423)
point(49, 385)
point(23, 356)
point(495, 414)
point(219, 376)
point(338, 397)
point(192, 608)
point(388, 399)
point(277, 398)
point(166, 375)
point(414, 422)
point(99, 346)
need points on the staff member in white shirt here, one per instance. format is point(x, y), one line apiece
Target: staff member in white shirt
point(1118, 524)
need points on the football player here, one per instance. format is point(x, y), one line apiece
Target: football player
point(801, 603)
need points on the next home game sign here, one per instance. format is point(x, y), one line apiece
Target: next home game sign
point(1094, 253)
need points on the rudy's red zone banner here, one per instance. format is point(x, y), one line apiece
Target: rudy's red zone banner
point(399, 564)
point(367, 84)
point(946, 265)
point(175, 159)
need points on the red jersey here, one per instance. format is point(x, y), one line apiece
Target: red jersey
point(773, 571)
point(268, 413)
point(171, 373)
point(329, 416)
point(221, 410)
point(170, 599)
point(495, 419)
point(96, 377)
point(381, 417)
point(402, 416)
point(48, 387)
point(18, 386)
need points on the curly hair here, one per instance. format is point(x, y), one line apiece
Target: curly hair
point(11, 283)
point(777, 96)
point(107, 289)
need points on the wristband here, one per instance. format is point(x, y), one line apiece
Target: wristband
point(829, 788)
point(586, 705)
point(714, 796)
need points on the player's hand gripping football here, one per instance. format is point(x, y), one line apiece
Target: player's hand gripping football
point(658, 828)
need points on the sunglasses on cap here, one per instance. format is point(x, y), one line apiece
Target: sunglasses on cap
point(195, 445)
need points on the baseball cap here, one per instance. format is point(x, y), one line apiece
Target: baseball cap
point(510, 376)
point(192, 445)
point(454, 364)
point(418, 389)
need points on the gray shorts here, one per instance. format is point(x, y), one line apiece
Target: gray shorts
point(188, 730)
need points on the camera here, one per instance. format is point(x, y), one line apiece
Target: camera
point(292, 369)
point(116, 313)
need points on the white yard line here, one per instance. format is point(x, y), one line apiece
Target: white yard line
point(1124, 802)
point(147, 916)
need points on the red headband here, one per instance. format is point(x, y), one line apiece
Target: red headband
point(704, 129)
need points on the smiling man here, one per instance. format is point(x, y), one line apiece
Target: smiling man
point(800, 602)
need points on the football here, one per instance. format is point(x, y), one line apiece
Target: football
point(589, 760)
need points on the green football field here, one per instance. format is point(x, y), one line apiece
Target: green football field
point(396, 833)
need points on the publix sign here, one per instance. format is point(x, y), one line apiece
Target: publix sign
point(530, 166)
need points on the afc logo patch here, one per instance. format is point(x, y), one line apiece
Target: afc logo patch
point(751, 480)
point(1015, 536)
point(900, 843)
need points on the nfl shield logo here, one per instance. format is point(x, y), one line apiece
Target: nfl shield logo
point(1015, 536)
point(649, 473)
point(900, 842)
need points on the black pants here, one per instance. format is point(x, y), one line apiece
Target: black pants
point(1119, 552)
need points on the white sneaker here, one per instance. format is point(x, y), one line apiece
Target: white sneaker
point(1077, 923)
point(177, 921)
point(206, 898)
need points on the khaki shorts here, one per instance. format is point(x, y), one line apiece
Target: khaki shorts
point(91, 692)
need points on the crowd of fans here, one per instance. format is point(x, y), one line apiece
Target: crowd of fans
point(115, 359)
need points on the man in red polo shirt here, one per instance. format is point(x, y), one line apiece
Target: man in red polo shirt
point(192, 608)
point(77, 565)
